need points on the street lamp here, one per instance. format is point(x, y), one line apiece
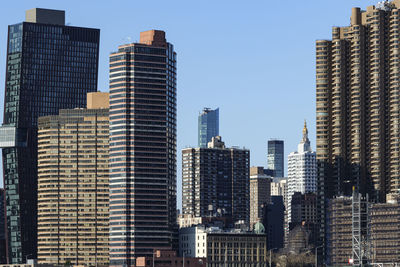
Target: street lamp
point(270, 256)
point(154, 253)
point(316, 255)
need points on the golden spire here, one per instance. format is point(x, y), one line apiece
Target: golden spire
point(305, 131)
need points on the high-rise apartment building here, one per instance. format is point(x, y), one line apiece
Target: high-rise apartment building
point(50, 66)
point(208, 126)
point(216, 179)
point(275, 160)
point(302, 170)
point(73, 185)
point(142, 148)
point(358, 106)
point(260, 193)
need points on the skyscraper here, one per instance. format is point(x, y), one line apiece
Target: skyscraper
point(50, 66)
point(208, 126)
point(216, 179)
point(358, 106)
point(73, 185)
point(142, 148)
point(260, 194)
point(302, 170)
point(275, 158)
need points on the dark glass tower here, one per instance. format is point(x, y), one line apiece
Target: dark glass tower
point(208, 126)
point(275, 157)
point(142, 148)
point(50, 66)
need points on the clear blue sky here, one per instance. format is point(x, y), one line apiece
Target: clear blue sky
point(252, 59)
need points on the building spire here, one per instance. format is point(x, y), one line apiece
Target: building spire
point(305, 142)
point(305, 133)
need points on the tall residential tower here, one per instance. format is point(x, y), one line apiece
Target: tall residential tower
point(50, 66)
point(208, 126)
point(358, 106)
point(73, 185)
point(142, 148)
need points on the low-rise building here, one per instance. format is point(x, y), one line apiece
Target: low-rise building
point(384, 231)
point(230, 247)
point(166, 258)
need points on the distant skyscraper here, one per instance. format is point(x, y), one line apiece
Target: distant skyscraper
point(216, 177)
point(302, 170)
point(208, 126)
point(142, 148)
point(50, 66)
point(275, 157)
point(73, 185)
point(260, 193)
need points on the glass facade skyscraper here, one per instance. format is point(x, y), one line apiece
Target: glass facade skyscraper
point(208, 126)
point(275, 157)
point(142, 148)
point(50, 66)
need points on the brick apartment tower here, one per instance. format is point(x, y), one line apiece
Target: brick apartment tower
point(142, 148)
point(358, 106)
point(73, 185)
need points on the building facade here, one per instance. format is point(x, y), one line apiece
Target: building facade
point(385, 232)
point(224, 247)
point(274, 222)
point(193, 241)
point(357, 106)
point(260, 194)
point(3, 254)
point(275, 158)
point(143, 210)
point(279, 188)
point(73, 185)
point(50, 66)
point(304, 210)
point(208, 126)
point(216, 180)
point(302, 171)
point(383, 237)
point(167, 258)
